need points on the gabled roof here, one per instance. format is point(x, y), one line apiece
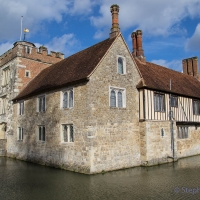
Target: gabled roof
point(158, 78)
point(75, 68)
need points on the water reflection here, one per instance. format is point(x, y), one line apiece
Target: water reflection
point(22, 180)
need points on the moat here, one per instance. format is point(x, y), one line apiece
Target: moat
point(23, 181)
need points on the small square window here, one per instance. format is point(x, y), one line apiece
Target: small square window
point(20, 133)
point(27, 73)
point(41, 133)
point(174, 101)
point(41, 103)
point(67, 133)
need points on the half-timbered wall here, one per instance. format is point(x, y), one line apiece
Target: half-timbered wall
point(183, 111)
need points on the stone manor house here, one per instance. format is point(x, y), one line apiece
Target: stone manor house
point(103, 108)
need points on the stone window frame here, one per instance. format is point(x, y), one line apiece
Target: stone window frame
point(63, 92)
point(124, 64)
point(41, 133)
point(29, 73)
point(5, 75)
point(20, 133)
point(196, 107)
point(41, 99)
point(69, 137)
point(3, 105)
point(160, 107)
point(21, 108)
point(28, 49)
point(116, 90)
point(182, 132)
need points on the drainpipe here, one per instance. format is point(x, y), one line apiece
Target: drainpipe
point(171, 126)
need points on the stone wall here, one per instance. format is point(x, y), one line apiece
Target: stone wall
point(115, 141)
point(155, 148)
point(3, 143)
point(105, 138)
point(189, 146)
point(72, 156)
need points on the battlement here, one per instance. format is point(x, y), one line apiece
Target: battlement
point(29, 50)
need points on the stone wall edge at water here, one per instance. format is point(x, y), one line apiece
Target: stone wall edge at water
point(3, 143)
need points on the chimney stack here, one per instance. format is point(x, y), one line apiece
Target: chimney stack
point(137, 45)
point(114, 9)
point(190, 66)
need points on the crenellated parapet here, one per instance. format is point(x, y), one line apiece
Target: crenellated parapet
point(30, 51)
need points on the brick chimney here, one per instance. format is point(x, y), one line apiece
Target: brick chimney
point(137, 45)
point(190, 66)
point(114, 9)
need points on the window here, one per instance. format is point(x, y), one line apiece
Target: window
point(159, 102)
point(20, 133)
point(27, 73)
point(117, 97)
point(41, 133)
point(28, 49)
point(68, 98)
point(121, 64)
point(21, 108)
point(67, 133)
point(41, 103)
point(5, 76)
point(162, 132)
point(3, 105)
point(174, 101)
point(182, 132)
point(196, 107)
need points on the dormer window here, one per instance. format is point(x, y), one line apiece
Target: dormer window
point(121, 63)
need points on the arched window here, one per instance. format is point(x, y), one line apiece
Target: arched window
point(112, 99)
point(65, 99)
point(120, 103)
point(71, 98)
point(120, 66)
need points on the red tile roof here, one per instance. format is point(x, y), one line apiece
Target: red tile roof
point(158, 78)
point(75, 68)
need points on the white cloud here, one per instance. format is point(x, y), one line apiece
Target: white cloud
point(154, 17)
point(193, 43)
point(66, 44)
point(35, 13)
point(174, 64)
point(5, 47)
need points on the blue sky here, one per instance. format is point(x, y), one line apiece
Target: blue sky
point(171, 29)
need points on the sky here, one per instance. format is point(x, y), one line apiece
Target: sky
point(171, 29)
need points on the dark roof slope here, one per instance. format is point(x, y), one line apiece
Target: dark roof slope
point(75, 68)
point(158, 78)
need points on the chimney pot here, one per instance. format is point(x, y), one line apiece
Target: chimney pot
point(137, 45)
point(114, 9)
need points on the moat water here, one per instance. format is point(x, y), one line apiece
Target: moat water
point(23, 181)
